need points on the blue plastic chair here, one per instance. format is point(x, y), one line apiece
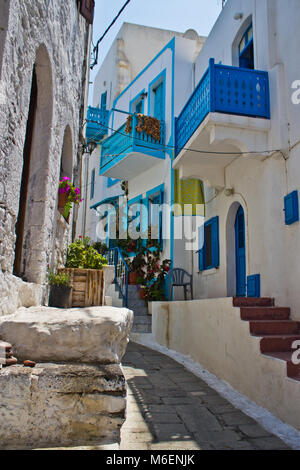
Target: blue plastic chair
point(180, 277)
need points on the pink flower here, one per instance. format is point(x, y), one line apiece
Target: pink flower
point(66, 178)
point(77, 190)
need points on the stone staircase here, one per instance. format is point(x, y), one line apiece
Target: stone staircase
point(275, 328)
point(142, 321)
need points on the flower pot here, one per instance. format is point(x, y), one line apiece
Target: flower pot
point(133, 277)
point(60, 296)
point(88, 286)
point(62, 201)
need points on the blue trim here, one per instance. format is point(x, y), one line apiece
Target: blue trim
point(253, 285)
point(240, 252)
point(215, 249)
point(291, 208)
point(160, 78)
point(92, 194)
point(108, 200)
point(161, 191)
point(136, 99)
point(112, 182)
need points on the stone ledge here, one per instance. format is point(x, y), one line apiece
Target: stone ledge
point(89, 335)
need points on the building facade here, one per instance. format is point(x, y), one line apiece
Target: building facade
point(247, 130)
point(44, 50)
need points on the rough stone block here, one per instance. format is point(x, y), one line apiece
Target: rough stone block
point(94, 334)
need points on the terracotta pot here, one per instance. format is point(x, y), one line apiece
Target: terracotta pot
point(132, 279)
point(62, 201)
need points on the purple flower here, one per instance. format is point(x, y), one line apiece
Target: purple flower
point(66, 178)
point(77, 190)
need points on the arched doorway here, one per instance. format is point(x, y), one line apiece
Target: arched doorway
point(236, 251)
point(240, 253)
point(31, 237)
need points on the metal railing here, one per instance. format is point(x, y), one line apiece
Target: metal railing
point(223, 89)
point(97, 122)
point(118, 144)
point(115, 258)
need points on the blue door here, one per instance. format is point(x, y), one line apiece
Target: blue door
point(240, 253)
point(158, 103)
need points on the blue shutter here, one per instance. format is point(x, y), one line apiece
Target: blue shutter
point(158, 104)
point(201, 245)
point(103, 100)
point(253, 286)
point(215, 242)
point(291, 208)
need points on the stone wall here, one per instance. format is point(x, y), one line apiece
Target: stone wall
point(50, 37)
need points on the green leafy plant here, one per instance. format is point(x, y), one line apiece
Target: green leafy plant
point(102, 248)
point(58, 279)
point(81, 254)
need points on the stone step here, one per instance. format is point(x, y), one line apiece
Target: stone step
point(141, 312)
point(136, 303)
point(142, 320)
point(253, 302)
point(273, 327)
point(293, 370)
point(265, 313)
point(141, 329)
point(278, 343)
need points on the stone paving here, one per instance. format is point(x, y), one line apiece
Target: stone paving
point(169, 408)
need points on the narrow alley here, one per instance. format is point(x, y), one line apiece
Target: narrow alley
point(169, 408)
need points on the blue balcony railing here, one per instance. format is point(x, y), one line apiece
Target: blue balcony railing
point(97, 122)
point(115, 147)
point(223, 89)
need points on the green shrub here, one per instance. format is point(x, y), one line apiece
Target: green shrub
point(81, 254)
point(58, 279)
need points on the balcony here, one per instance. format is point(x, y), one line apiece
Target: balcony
point(229, 111)
point(125, 155)
point(97, 122)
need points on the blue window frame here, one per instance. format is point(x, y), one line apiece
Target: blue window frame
point(209, 241)
point(136, 105)
point(103, 100)
point(156, 96)
point(246, 50)
point(291, 208)
point(155, 200)
point(111, 182)
point(92, 184)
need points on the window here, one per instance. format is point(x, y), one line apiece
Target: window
point(246, 52)
point(87, 9)
point(103, 100)
point(139, 107)
point(209, 242)
point(158, 102)
point(291, 208)
point(92, 184)
point(155, 201)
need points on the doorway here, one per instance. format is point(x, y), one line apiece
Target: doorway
point(240, 253)
point(18, 268)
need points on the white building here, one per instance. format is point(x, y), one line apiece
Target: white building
point(136, 57)
point(239, 134)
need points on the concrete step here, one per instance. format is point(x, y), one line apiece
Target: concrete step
point(141, 329)
point(136, 303)
point(253, 302)
point(142, 312)
point(293, 370)
point(265, 313)
point(278, 343)
point(142, 320)
point(273, 327)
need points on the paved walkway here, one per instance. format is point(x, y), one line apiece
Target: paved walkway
point(169, 408)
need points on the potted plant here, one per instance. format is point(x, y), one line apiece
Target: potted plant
point(85, 265)
point(68, 194)
point(60, 289)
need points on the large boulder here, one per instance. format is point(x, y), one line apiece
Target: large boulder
point(89, 335)
point(61, 405)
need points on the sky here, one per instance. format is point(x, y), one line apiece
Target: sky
point(177, 15)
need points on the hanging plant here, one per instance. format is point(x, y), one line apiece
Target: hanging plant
point(128, 128)
point(68, 195)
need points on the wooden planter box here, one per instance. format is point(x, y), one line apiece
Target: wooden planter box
point(88, 286)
